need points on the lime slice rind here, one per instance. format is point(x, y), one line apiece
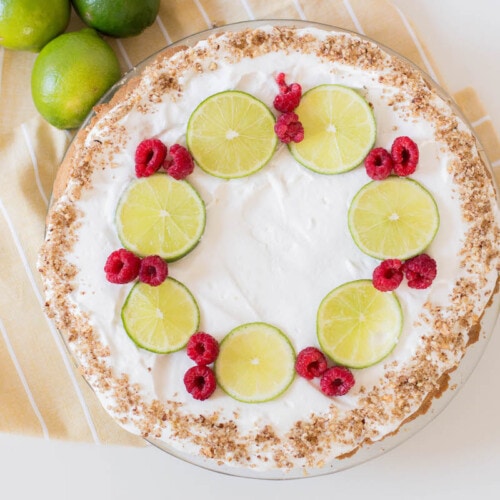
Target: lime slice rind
point(231, 134)
point(396, 218)
point(159, 215)
point(158, 325)
point(357, 325)
point(256, 363)
point(331, 131)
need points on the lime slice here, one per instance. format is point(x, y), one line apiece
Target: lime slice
point(159, 215)
point(357, 325)
point(396, 218)
point(231, 134)
point(160, 318)
point(339, 129)
point(256, 363)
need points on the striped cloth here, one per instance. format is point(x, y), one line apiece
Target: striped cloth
point(41, 393)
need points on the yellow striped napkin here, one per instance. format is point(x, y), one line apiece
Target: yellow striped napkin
point(40, 391)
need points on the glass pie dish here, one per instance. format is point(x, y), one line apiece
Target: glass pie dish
point(414, 421)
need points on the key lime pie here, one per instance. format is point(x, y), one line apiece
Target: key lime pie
point(269, 250)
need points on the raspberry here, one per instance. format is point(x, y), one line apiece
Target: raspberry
point(153, 271)
point(404, 154)
point(200, 382)
point(280, 80)
point(378, 164)
point(122, 266)
point(289, 97)
point(288, 128)
point(149, 157)
point(388, 275)
point(310, 363)
point(336, 381)
point(181, 163)
point(202, 348)
point(420, 271)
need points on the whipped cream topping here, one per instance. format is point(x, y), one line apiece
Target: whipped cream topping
point(274, 245)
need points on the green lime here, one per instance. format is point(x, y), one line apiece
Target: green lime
point(396, 218)
point(70, 75)
point(118, 18)
point(256, 363)
point(159, 215)
point(160, 318)
point(339, 129)
point(357, 325)
point(231, 134)
point(30, 24)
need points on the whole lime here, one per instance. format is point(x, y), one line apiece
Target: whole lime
point(30, 24)
point(118, 18)
point(70, 75)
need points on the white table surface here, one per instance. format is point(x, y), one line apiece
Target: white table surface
point(457, 456)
